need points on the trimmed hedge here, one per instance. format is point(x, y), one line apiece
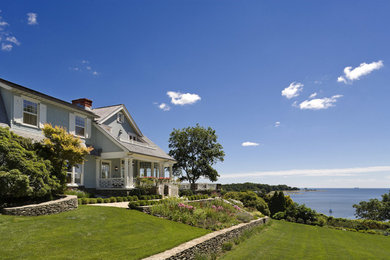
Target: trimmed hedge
point(134, 198)
point(136, 204)
point(197, 197)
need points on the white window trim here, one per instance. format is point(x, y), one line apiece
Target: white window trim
point(85, 125)
point(120, 117)
point(101, 164)
point(73, 174)
point(38, 104)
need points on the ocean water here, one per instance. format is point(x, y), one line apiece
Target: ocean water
point(339, 200)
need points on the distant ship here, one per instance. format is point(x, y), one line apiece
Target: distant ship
point(330, 211)
point(356, 188)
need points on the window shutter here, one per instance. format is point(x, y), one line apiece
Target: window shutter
point(72, 123)
point(88, 128)
point(42, 115)
point(18, 109)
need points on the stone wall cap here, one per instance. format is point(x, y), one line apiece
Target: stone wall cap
point(65, 198)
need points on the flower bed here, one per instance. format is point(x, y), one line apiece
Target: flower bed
point(212, 214)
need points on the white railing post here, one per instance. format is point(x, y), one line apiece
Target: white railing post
point(131, 170)
point(126, 166)
point(97, 173)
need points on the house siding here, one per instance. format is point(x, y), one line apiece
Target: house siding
point(90, 171)
point(55, 115)
point(125, 127)
point(100, 141)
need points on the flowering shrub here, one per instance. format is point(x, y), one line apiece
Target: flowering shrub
point(212, 214)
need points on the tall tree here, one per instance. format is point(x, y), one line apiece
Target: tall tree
point(195, 149)
point(62, 149)
point(374, 209)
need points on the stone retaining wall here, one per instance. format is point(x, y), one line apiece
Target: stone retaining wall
point(208, 244)
point(67, 203)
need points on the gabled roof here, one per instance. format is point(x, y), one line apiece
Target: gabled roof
point(105, 113)
point(145, 147)
point(44, 96)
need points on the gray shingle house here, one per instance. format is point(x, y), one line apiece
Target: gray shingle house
point(121, 152)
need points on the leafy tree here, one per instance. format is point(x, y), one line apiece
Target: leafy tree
point(22, 172)
point(62, 149)
point(195, 149)
point(277, 202)
point(374, 209)
point(250, 200)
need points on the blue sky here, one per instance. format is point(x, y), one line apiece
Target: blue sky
point(233, 59)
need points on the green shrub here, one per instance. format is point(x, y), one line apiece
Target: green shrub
point(244, 217)
point(79, 201)
point(99, 200)
point(92, 201)
point(80, 194)
point(84, 201)
point(186, 193)
point(227, 246)
point(279, 215)
point(133, 204)
point(106, 200)
point(24, 173)
point(119, 199)
point(112, 199)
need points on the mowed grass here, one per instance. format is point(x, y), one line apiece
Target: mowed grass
point(284, 240)
point(91, 232)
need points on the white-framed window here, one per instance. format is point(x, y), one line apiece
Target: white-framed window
point(30, 112)
point(132, 137)
point(75, 175)
point(105, 170)
point(120, 117)
point(80, 126)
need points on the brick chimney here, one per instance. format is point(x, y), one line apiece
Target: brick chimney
point(83, 102)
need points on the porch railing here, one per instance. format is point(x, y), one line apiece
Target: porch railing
point(112, 183)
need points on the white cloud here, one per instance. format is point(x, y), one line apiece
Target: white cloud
point(178, 98)
point(356, 73)
point(245, 144)
point(6, 47)
point(7, 40)
point(277, 124)
point(13, 40)
point(84, 66)
point(292, 90)
point(164, 107)
point(319, 103)
point(313, 95)
point(312, 172)
point(32, 18)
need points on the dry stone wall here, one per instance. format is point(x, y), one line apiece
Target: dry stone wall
point(208, 244)
point(67, 203)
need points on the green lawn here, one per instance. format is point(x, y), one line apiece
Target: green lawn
point(91, 232)
point(284, 240)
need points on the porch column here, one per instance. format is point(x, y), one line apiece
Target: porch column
point(97, 172)
point(126, 166)
point(152, 173)
point(131, 172)
point(161, 170)
point(170, 171)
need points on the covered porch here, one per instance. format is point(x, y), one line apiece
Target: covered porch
point(121, 170)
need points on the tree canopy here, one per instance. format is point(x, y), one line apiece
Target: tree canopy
point(63, 150)
point(374, 209)
point(195, 149)
point(22, 172)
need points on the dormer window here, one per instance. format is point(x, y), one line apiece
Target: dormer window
point(133, 137)
point(120, 118)
point(30, 113)
point(80, 126)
